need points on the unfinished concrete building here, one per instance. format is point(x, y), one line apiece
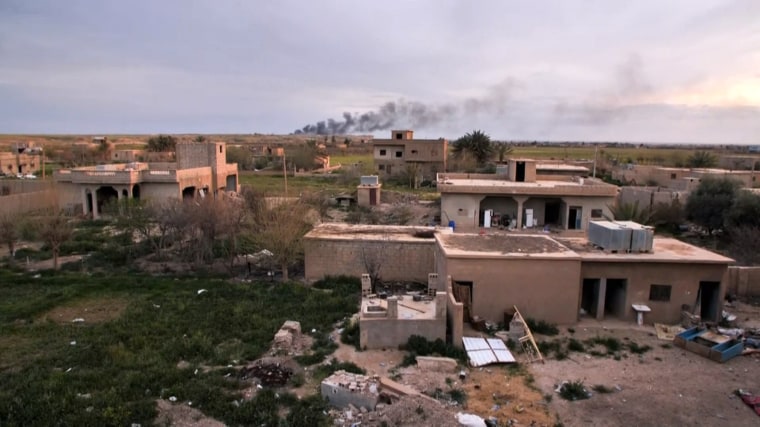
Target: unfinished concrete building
point(419, 159)
point(389, 322)
point(526, 195)
point(551, 278)
point(200, 170)
point(344, 389)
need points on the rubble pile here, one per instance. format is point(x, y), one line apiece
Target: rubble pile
point(268, 374)
point(290, 340)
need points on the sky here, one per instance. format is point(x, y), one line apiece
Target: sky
point(594, 70)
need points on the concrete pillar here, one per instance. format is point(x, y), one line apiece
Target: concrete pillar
point(600, 298)
point(432, 283)
point(440, 305)
point(366, 285)
point(85, 208)
point(95, 213)
point(392, 307)
point(520, 201)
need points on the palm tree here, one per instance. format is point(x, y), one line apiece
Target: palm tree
point(503, 150)
point(477, 144)
point(702, 159)
point(630, 212)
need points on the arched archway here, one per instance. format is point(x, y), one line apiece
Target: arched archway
point(136, 191)
point(106, 196)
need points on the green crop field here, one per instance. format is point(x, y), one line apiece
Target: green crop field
point(110, 368)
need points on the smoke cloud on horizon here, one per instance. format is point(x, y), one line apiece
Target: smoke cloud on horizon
point(412, 114)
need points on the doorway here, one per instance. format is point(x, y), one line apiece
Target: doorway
point(709, 297)
point(188, 193)
point(463, 294)
point(520, 172)
point(574, 218)
point(614, 298)
point(551, 212)
point(373, 197)
point(590, 296)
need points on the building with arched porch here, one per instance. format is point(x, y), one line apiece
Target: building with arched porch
point(200, 170)
point(526, 194)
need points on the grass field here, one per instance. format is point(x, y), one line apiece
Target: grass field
point(110, 369)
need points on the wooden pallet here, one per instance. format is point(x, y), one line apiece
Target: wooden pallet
point(528, 343)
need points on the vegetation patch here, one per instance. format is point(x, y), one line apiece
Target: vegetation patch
point(573, 390)
point(542, 327)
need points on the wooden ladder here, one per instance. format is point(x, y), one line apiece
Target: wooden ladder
point(529, 346)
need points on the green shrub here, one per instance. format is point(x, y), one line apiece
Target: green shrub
point(602, 389)
point(350, 334)
point(420, 346)
point(542, 327)
point(576, 346)
point(638, 349)
point(574, 390)
point(612, 344)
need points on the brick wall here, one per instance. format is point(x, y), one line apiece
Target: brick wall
point(406, 261)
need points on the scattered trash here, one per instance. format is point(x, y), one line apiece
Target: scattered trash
point(84, 395)
point(156, 306)
point(196, 371)
point(749, 399)
point(728, 317)
point(37, 276)
point(172, 398)
point(68, 370)
point(731, 332)
point(78, 320)
point(200, 291)
point(73, 343)
point(470, 420)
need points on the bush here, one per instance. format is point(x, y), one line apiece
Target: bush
point(541, 327)
point(638, 349)
point(574, 390)
point(612, 344)
point(576, 346)
point(326, 369)
point(601, 389)
point(350, 334)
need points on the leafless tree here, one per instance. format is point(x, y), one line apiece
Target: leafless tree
point(372, 257)
point(280, 229)
point(55, 229)
point(10, 232)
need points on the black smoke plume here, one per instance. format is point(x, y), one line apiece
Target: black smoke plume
point(411, 114)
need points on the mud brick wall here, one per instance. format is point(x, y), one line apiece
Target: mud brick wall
point(401, 260)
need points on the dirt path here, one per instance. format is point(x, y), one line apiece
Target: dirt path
point(663, 387)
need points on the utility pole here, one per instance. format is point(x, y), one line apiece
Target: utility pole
point(596, 147)
point(285, 172)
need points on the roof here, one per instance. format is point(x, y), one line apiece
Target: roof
point(341, 231)
point(407, 307)
point(665, 249)
point(561, 167)
point(584, 187)
point(509, 245)
point(502, 246)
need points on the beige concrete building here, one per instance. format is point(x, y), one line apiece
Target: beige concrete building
point(404, 155)
point(200, 170)
point(551, 278)
point(527, 195)
point(679, 179)
point(21, 160)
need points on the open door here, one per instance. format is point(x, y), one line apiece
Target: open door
point(463, 293)
point(709, 295)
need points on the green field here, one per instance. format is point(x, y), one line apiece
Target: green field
point(111, 368)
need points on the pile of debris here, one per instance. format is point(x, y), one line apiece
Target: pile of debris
point(290, 340)
point(267, 373)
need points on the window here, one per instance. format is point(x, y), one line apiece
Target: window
point(672, 176)
point(399, 153)
point(382, 152)
point(381, 167)
point(220, 148)
point(596, 213)
point(414, 151)
point(659, 293)
point(399, 135)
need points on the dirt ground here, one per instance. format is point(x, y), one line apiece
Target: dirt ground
point(667, 386)
point(179, 414)
point(92, 310)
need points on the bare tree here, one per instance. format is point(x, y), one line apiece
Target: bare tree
point(373, 257)
point(280, 229)
point(10, 232)
point(55, 229)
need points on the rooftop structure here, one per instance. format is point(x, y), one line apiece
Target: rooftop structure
point(527, 195)
point(402, 154)
point(201, 169)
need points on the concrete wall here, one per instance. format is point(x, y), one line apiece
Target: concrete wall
point(743, 281)
point(406, 261)
point(545, 289)
point(455, 318)
point(464, 209)
point(391, 333)
point(683, 278)
point(160, 192)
